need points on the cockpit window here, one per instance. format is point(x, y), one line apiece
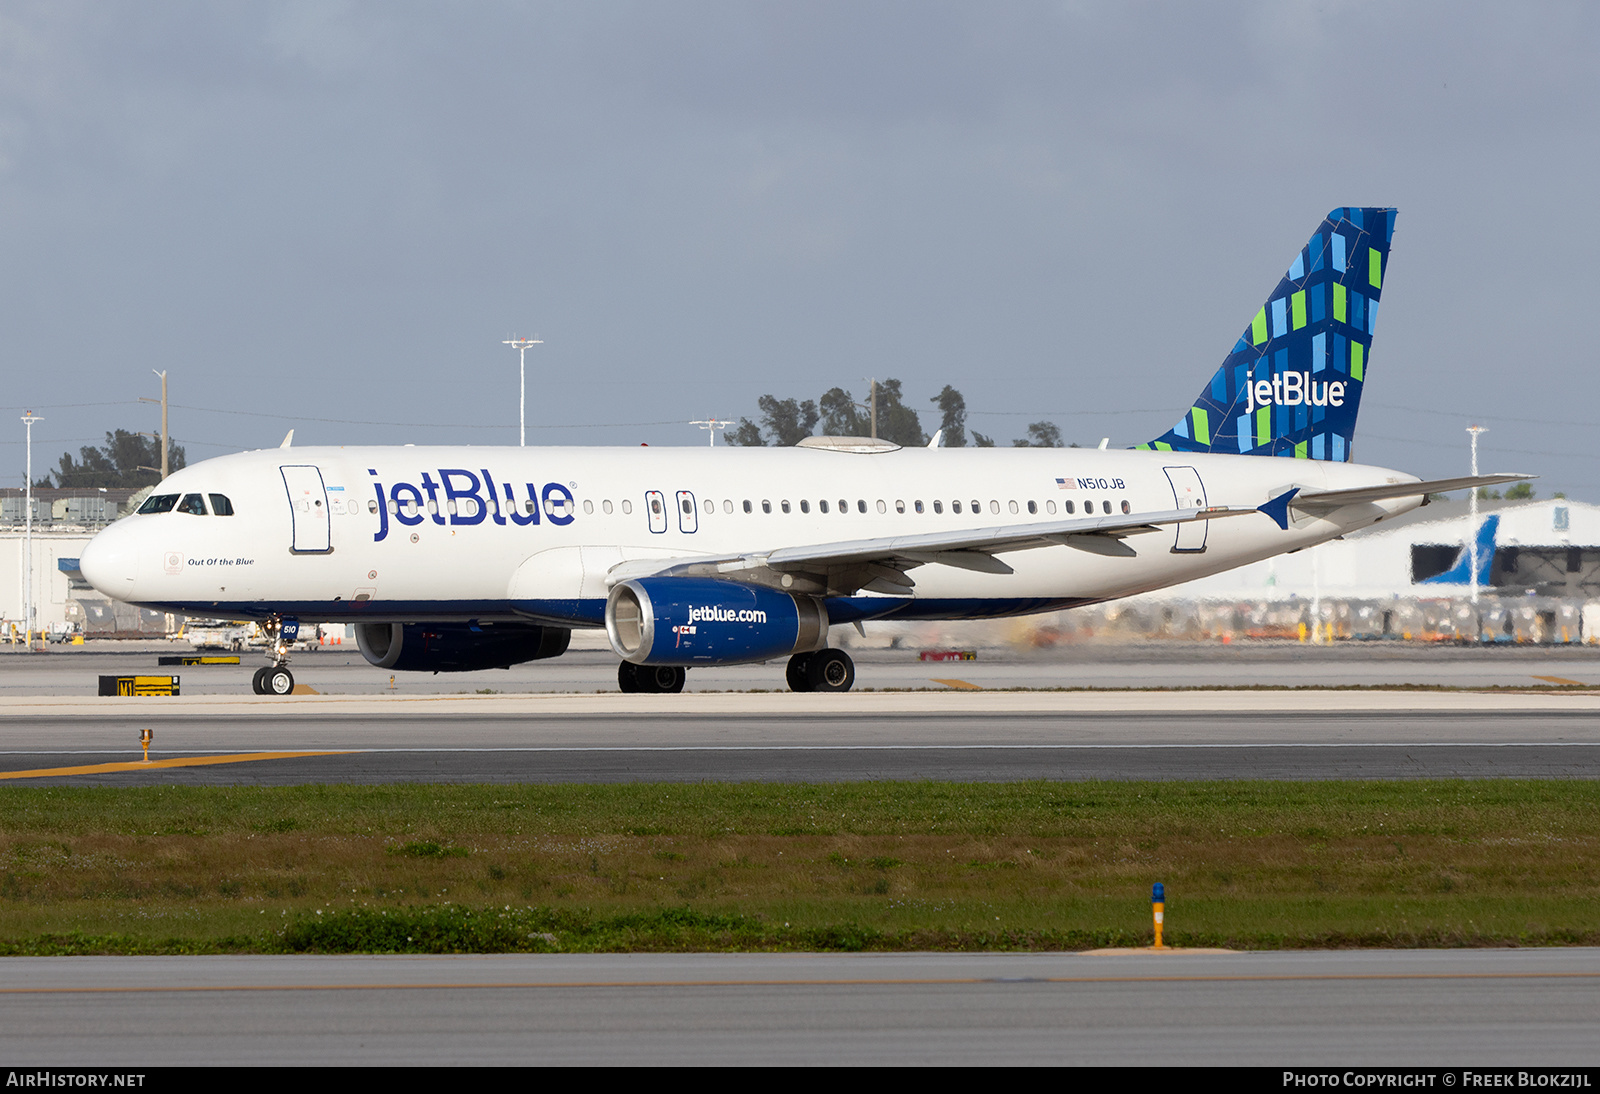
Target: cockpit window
point(222, 507)
point(193, 504)
point(159, 503)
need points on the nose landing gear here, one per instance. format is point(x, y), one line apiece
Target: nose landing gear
point(273, 680)
point(276, 679)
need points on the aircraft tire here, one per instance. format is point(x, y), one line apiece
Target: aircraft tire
point(277, 681)
point(831, 670)
point(664, 679)
point(795, 674)
point(256, 683)
point(628, 678)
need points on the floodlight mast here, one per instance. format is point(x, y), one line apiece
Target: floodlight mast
point(711, 425)
point(27, 611)
point(521, 345)
point(1472, 522)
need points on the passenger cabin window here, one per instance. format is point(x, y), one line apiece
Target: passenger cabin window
point(938, 507)
point(765, 505)
point(627, 507)
point(861, 505)
point(1069, 506)
point(785, 504)
point(222, 507)
point(899, 506)
point(1033, 507)
point(822, 506)
point(955, 507)
point(1126, 508)
point(917, 505)
point(159, 503)
point(193, 504)
point(805, 506)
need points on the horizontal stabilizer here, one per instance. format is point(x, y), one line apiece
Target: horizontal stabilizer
point(1332, 499)
point(1323, 501)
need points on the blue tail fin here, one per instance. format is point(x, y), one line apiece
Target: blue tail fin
point(1292, 385)
point(1461, 572)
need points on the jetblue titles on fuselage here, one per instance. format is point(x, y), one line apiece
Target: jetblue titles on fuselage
point(469, 498)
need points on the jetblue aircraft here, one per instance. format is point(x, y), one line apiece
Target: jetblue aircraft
point(462, 558)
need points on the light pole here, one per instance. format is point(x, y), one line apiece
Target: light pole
point(165, 447)
point(27, 610)
point(711, 425)
point(522, 345)
point(1472, 522)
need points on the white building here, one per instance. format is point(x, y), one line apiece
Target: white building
point(1544, 548)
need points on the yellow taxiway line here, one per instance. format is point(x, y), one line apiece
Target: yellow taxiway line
point(140, 765)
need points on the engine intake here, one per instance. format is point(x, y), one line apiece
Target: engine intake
point(707, 621)
point(458, 647)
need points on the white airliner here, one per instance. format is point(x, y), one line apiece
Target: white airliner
point(461, 558)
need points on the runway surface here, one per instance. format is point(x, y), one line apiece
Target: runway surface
point(68, 670)
point(1449, 1009)
point(1178, 735)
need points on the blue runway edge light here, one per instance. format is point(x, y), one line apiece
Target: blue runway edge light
point(1158, 894)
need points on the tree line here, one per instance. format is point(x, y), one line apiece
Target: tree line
point(786, 422)
point(125, 460)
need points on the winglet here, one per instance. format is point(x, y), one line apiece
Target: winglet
point(288, 439)
point(1278, 507)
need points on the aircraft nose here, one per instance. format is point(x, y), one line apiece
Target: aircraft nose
point(109, 562)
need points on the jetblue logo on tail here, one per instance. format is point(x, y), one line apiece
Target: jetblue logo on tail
point(1294, 389)
point(1292, 385)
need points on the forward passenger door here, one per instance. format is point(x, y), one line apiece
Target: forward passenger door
point(308, 509)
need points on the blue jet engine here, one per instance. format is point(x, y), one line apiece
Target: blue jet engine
point(458, 647)
point(707, 621)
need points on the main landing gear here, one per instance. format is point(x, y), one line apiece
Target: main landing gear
point(823, 670)
point(276, 679)
point(659, 679)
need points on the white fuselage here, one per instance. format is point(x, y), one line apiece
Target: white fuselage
point(413, 533)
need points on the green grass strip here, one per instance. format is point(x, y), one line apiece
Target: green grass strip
point(850, 866)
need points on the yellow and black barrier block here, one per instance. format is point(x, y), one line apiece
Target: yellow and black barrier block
point(138, 685)
point(199, 659)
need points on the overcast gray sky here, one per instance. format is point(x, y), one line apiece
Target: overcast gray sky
point(328, 215)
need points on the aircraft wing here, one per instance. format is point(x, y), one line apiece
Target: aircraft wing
point(880, 565)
